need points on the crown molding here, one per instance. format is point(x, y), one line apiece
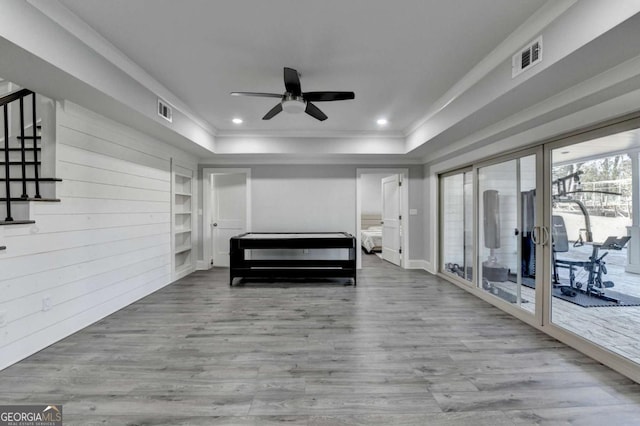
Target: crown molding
point(344, 159)
point(313, 134)
point(549, 12)
point(71, 23)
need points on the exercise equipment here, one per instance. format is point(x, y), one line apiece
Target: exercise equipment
point(459, 270)
point(491, 269)
point(563, 191)
point(594, 268)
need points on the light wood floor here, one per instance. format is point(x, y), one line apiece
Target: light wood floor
point(401, 348)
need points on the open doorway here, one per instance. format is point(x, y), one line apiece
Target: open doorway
point(382, 215)
point(226, 211)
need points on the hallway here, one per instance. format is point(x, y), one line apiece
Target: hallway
point(403, 347)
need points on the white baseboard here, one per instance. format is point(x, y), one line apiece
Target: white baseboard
point(201, 265)
point(418, 264)
point(428, 266)
point(421, 264)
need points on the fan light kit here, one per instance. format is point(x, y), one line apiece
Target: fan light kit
point(295, 101)
point(294, 105)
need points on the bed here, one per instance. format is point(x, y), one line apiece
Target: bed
point(371, 233)
point(371, 239)
point(292, 266)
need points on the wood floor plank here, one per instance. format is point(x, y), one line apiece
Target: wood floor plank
point(489, 418)
point(402, 348)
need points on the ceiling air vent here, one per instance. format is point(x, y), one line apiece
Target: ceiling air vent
point(164, 110)
point(527, 57)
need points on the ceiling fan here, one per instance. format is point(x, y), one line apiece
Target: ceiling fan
point(295, 101)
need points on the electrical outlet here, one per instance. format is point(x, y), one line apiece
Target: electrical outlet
point(46, 303)
point(3, 318)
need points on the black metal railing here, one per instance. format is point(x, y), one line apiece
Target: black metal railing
point(5, 101)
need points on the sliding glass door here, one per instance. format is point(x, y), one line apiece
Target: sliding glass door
point(507, 230)
point(594, 195)
point(552, 235)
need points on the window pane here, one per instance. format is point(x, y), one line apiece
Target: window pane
point(457, 246)
point(595, 257)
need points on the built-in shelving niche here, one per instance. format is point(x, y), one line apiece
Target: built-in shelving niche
point(182, 190)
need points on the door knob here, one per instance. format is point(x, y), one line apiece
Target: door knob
point(215, 224)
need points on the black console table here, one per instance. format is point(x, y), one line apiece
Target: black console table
point(292, 267)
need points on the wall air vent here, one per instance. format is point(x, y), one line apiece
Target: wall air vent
point(527, 57)
point(165, 111)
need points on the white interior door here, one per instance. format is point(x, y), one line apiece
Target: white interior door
point(229, 218)
point(391, 229)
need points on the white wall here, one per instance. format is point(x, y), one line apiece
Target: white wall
point(106, 243)
point(371, 185)
point(303, 198)
point(317, 197)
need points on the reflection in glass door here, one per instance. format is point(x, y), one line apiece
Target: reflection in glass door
point(457, 225)
point(506, 221)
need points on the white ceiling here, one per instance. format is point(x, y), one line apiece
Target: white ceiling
point(618, 143)
point(398, 57)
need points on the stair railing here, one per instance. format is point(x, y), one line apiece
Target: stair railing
point(19, 95)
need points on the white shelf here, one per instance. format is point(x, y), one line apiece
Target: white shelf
point(182, 249)
point(182, 220)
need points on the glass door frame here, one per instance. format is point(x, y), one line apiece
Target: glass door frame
point(535, 318)
point(588, 347)
point(631, 123)
point(461, 171)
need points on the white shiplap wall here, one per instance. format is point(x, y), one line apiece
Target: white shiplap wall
point(105, 245)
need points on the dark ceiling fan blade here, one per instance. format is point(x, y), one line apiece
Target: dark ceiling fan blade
point(273, 112)
point(328, 96)
point(262, 95)
point(315, 112)
point(292, 81)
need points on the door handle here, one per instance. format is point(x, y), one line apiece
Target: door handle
point(540, 235)
point(214, 224)
point(546, 235)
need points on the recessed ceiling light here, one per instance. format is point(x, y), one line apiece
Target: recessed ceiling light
point(382, 122)
point(237, 120)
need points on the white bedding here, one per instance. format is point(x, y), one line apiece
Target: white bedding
point(371, 239)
